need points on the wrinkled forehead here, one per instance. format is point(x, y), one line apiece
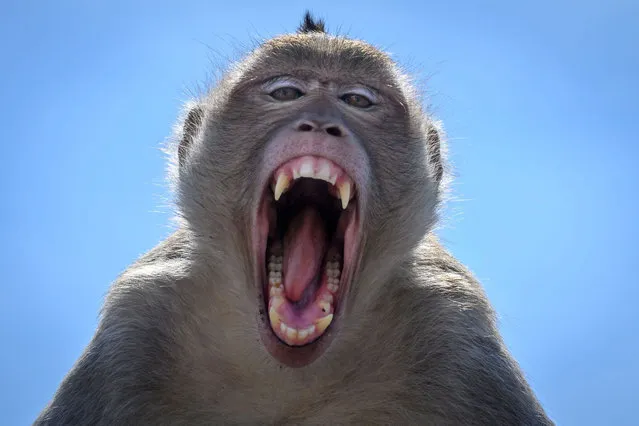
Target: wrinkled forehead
point(324, 58)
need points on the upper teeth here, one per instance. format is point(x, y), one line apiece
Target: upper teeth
point(315, 168)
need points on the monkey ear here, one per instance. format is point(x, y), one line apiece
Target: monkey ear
point(434, 145)
point(310, 25)
point(190, 129)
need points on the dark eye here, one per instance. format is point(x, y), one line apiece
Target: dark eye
point(356, 100)
point(286, 94)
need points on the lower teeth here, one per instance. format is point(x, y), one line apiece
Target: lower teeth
point(302, 335)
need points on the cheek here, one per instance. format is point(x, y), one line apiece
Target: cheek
point(401, 185)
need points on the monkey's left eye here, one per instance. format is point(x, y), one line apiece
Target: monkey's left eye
point(286, 94)
point(357, 100)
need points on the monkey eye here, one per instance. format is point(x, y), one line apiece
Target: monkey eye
point(357, 100)
point(287, 93)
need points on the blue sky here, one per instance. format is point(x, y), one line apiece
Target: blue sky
point(539, 100)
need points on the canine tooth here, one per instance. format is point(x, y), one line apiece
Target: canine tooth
point(345, 193)
point(306, 169)
point(281, 186)
point(275, 318)
point(276, 302)
point(323, 323)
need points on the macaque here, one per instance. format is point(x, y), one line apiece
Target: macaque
point(303, 283)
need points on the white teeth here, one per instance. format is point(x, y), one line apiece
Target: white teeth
point(345, 193)
point(324, 172)
point(332, 287)
point(306, 169)
point(291, 333)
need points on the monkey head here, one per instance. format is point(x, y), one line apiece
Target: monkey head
point(310, 171)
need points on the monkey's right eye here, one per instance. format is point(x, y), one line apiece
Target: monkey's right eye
point(286, 94)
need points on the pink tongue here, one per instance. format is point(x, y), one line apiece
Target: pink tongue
point(304, 247)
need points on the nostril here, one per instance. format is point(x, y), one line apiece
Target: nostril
point(305, 127)
point(334, 131)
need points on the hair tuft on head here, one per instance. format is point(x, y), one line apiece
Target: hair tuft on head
point(311, 25)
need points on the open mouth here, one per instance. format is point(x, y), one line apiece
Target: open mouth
point(307, 223)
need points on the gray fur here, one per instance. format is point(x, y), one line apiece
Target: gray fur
point(178, 340)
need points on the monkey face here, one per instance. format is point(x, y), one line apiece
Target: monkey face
point(325, 155)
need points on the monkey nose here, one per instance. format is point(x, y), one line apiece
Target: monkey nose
point(332, 128)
